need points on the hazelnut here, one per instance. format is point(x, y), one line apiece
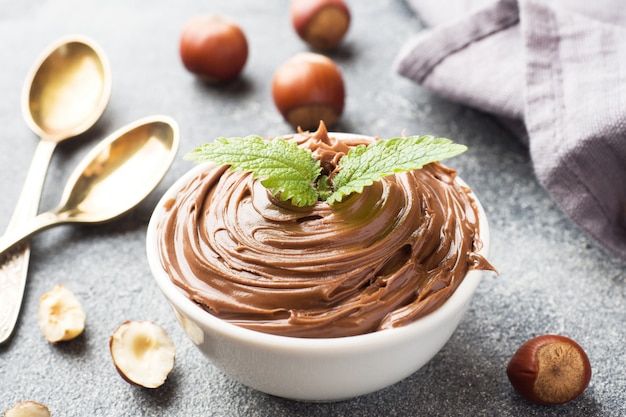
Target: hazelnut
point(308, 88)
point(549, 369)
point(27, 409)
point(320, 23)
point(61, 316)
point(213, 48)
point(142, 353)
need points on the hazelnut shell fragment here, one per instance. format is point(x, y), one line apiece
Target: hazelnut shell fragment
point(549, 369)
point(320, 23)
point(142, 352)
point(309, 88)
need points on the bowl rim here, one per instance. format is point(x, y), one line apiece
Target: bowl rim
point(179, 300)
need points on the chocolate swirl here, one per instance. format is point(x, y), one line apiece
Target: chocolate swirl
point(377, 260)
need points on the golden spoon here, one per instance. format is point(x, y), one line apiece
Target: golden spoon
point(112, 179)
point(65, 93)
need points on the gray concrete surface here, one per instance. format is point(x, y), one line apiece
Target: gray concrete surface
point(553, 278)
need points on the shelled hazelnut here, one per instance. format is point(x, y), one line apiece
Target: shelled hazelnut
point(61, 316)
point(142, 353)
point(27, 409)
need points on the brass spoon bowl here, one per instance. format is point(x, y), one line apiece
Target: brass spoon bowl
point(67, 91)
point(113, 178)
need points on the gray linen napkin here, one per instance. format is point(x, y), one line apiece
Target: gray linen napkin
point(555, 73)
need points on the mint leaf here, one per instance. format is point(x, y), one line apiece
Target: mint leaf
point(364, 165)
point(293, 173)
point(286, 169)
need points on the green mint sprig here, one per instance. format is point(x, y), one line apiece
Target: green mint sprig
point(285, 168)
point(364, 165)
point(293, 173)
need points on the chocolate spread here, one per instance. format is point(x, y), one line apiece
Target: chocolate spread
point(376, 260)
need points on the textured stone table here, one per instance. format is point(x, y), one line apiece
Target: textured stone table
point(553, 278)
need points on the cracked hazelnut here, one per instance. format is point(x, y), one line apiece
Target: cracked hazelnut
point(549, 369)
point(61, 316)
point(320, 23)
point(142, 353)
point(308, 88)
point(213, 48)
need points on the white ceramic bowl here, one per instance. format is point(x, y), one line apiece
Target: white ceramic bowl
point(328, 369)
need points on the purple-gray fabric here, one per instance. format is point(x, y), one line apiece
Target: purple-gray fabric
point(555, 73)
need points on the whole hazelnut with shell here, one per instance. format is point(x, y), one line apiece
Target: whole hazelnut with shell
point(549, 369)
point(320, 23)
point(309, 88)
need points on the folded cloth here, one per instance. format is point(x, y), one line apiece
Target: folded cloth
point(553, 71)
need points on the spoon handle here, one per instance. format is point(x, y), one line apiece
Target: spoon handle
point(17, 237)
point(14, 263)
